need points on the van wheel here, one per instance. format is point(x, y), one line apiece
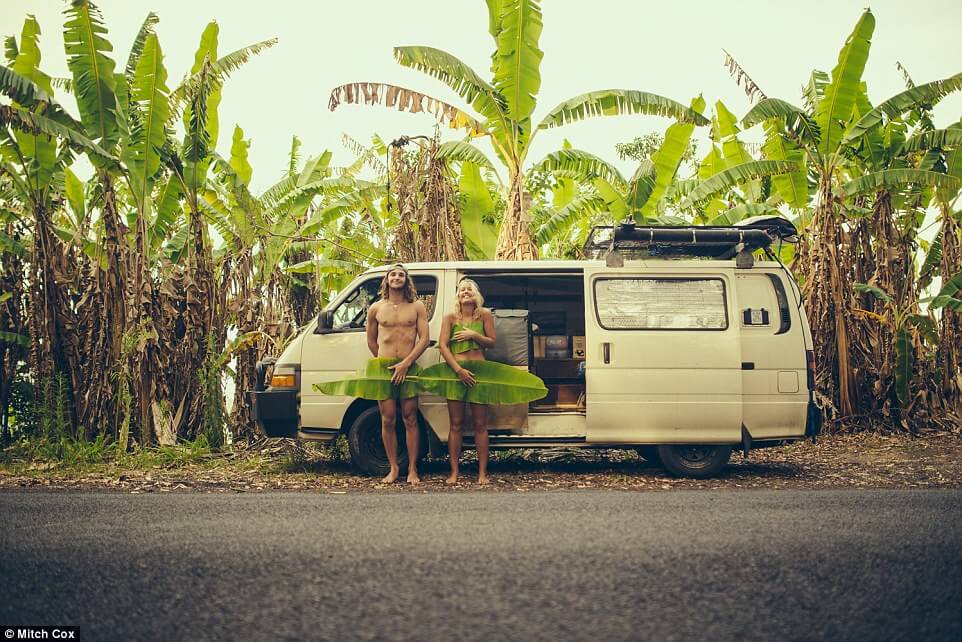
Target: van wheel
point(649, 454)
point(694, 460)
point(367, 448)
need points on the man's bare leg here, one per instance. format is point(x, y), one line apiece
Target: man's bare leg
point(455, 421)
point(388, 409)
point(409, 414)
point(479, 420)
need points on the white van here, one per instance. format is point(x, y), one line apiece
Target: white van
point(682, 358)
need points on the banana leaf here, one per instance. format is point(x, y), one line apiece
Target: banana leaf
point(374, 382)
point(905, 359)
point(457, 347)
point(497, 384)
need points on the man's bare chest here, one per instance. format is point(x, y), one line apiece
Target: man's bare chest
point(404, 316)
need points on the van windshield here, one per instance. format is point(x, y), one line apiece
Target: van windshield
point(351, 313)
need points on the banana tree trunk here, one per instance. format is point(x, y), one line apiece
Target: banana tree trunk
point(250, 317)
point(142, 355)
point(12, 320)
point(514, 239)
point(50, 315)
point(104, 321)
point(950, 330)
point(429, 228)
point(893, 272)
point(198, 320)
point(825, 264)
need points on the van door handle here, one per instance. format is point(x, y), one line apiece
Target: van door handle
point(606, 350)
point(432, 343)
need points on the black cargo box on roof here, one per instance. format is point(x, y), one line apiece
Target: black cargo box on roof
point(716, 242)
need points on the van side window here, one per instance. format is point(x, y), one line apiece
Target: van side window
point(784, 314)
point(661, 304)
point(351, 313)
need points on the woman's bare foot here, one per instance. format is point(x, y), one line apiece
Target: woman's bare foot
point(391, 477)
point(482, 480)
point(413, 478)
point(452, 479)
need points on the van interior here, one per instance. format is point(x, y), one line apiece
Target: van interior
point(556, 331)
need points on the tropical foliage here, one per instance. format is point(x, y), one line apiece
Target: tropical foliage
point(138, 293)
point(505, 106)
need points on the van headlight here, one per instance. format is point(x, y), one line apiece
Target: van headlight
point(283, 381)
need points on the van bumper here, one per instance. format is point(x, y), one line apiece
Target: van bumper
point(813, 422)
point(275, 411)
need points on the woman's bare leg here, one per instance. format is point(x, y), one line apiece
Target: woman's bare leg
point(479, 421)
point(456, 421)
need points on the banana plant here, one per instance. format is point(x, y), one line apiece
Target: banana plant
point(908, 329)
point(38, 140)
point(505, 105)
point(605, 196)
point(654, 189)
point(827, 131)
point(732, 184)
point(950, 296)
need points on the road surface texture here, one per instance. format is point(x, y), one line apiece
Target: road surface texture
point(592, 565)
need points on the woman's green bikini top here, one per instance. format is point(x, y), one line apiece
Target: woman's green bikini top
point(458, 347)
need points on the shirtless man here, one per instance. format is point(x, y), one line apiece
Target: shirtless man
point(397, 327)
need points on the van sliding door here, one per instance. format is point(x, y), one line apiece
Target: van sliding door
point(663, 362)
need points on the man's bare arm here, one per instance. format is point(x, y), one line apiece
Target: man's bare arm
point(372, 329)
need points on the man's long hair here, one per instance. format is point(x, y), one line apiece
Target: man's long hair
point(409, 291)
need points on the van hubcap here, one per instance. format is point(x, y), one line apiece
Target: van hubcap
point(696, 456)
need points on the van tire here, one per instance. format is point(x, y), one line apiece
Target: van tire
point(367, 448)
point(694, 460)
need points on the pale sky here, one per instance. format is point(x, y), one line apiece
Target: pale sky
point(669, 48)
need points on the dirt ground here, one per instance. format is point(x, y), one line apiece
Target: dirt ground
point(841, 461)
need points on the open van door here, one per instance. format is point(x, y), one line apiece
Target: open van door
point(663, 354)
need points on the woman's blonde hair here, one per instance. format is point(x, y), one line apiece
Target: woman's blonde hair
point(478, 300)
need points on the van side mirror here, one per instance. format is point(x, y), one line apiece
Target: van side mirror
point(325, 322)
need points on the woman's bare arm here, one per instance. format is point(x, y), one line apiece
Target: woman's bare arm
point(489, 338)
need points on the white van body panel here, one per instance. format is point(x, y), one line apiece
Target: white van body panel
point(775, 395)
point(662, 385)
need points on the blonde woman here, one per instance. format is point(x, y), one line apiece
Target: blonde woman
point(465, 333)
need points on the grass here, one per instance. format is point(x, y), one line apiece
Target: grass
point(70, 455)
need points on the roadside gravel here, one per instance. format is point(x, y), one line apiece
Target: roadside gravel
point(840, 461)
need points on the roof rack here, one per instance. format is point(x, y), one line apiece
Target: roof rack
point(662, 241)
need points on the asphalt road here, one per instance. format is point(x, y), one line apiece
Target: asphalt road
point(717, 565)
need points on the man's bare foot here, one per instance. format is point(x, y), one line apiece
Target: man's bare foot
point(452, 480)
point(413, 478)
point(391, 477)
point(482, 480)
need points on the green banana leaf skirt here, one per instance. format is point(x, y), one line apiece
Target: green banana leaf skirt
point(374, 382)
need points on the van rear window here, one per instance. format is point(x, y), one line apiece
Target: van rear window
point(661, 304)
